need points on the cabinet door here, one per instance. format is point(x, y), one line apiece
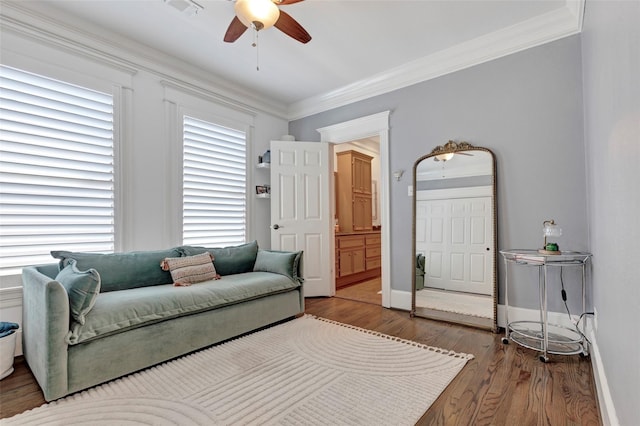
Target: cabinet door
point(358, 259)
point(361, 175)
point(362, 220)
point(346, 263)
point(366, 177)
point(373, 263)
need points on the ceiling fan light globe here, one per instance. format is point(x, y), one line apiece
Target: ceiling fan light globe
point(445, 157)
point(258, 14)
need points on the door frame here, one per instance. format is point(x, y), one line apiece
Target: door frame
point(360, 128)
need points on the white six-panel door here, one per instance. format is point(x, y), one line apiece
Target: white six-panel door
point(301, 217)
point(456, 237)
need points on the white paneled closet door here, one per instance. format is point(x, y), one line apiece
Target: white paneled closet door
point(457, 240)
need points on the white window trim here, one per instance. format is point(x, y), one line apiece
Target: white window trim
point(178, 103)
point(225, 138)
point(97, 76)
point(122, 101)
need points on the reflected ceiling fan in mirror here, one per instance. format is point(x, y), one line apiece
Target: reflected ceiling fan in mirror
point(263, 14)
point(446, 152)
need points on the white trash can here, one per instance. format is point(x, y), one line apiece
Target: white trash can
point(7, 353)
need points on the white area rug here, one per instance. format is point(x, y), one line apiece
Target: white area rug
point(308, 371)
point(461, 303)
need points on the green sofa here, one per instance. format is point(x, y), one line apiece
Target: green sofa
point(76, 336)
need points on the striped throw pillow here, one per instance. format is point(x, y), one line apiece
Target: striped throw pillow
point(190, 269)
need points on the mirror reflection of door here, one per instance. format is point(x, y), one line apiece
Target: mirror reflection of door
point(456, 243)
point(455, 237)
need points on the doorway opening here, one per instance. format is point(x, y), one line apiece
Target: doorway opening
point(372, 126)
point(357, 229)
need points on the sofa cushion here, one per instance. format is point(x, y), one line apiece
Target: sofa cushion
point(228, 260)
point(119, 271)
point(279, 262)
point(189, 270)
point(82, 288)
point(117, 311)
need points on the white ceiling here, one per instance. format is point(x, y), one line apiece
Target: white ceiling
point(356, 44)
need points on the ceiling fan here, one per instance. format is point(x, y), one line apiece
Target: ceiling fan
point(449, 155)
point(263, 14)
point(446, 152)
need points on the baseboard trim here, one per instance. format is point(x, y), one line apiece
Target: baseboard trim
point(18, 343)
point(605, 401)
point(402, 300)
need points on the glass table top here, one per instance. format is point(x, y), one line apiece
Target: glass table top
point(533, 256)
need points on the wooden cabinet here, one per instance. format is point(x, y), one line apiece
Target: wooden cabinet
point(357, 258)
point(350, 255)
point(353, 190)
point(373, 251)
point(362, 213)
point(361, 171)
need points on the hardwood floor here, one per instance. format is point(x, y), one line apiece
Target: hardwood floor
point(367, 291)
point(19, 391)
point(502, 385)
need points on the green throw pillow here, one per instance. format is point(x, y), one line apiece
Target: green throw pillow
point(82, 288)
point(228, 260)
point(279, 262)
point(121, 271)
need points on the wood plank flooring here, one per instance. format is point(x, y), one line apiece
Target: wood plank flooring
point(366, 291)
point(502, 385)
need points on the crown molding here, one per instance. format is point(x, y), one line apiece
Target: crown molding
point(206, 95)
point(560, 23)
point(28, 28)
point(126, 55)
point(576, 8)
point(130, 57)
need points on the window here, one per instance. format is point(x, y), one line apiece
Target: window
point(56, 169)
point(214, 184)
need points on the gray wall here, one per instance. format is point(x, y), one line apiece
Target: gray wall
point(611, 72)
point(526, 108)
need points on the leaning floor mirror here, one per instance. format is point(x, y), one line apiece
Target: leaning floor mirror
point(454, 236)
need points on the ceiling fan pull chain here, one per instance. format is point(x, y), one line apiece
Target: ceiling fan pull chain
point(255, 44)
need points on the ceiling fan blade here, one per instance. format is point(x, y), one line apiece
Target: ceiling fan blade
point(464, 153)
point(290, 27)
point(235, 30)
point(285, 2)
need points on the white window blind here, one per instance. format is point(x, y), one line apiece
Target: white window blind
point(56, 169)
point(214, 184)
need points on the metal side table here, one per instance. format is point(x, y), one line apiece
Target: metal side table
point(540, 335)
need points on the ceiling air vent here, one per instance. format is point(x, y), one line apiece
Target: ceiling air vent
point(188, 7)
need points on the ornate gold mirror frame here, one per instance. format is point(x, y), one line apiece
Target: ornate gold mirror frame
point(441, 303)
